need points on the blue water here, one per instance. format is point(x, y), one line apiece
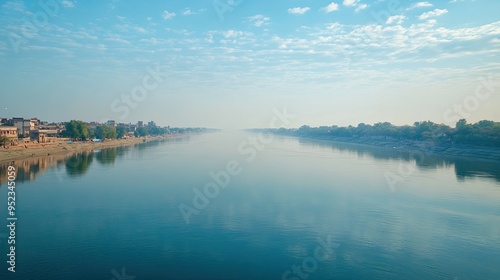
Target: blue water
point(325, 208)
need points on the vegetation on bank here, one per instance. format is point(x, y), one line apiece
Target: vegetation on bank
point(75, 129)
point(4, 140)
point(482, 133)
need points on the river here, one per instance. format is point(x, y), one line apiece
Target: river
point(235, 205)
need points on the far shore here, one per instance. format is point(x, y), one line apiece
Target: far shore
point(64, 148)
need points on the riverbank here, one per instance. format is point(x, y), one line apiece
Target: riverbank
point(67, 148)
point(425, 147)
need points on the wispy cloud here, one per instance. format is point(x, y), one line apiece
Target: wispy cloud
point(126, 27)
point(259, 20)
point(17, 6)
point(188, 12)
point(232, 33)
point(355, 3)
point(350, 3)
point(167, 15)
point(360, 7)
point(434, 13)
point(68, 4)
point(420, 5)
point(298, 10)
point(398, 19)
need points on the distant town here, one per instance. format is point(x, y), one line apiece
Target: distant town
point(15, 131)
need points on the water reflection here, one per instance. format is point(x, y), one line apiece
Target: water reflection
point(27, 169)
point(464, 168)
point(79, 163)
point(107, 156)
point(76, 164)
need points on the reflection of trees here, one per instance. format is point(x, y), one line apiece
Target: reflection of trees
point(106, 156)
point(463, 167)
point(468, 168)
point(79, 163)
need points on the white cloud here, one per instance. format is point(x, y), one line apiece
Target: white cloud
point(350, 3)
point(130, 27)
point(232, 33)
point(420, 5)
point(68, 4)
point(298, 10)
point(361, 7)
point(259, 20)
point(331, 7)
point(355, 3)
point(395, 19)
point(188, 12)
point(435, 13)
point(167, 15)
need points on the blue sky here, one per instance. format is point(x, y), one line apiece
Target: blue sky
point(229, 63)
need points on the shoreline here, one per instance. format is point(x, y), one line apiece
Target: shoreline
point(22, 152)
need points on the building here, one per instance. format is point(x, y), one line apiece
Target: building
point(111, 123)
point(9, 131)
point(44, 135)
point(140, 124)
point(93, 125)
point(24, 126)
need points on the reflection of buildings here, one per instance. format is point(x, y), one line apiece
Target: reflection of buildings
point(28, 169)
point(75, 164)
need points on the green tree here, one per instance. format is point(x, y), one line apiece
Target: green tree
point(110, 132)
point(120, 131)
point(140, 132)
point(105, 132)
point(76, 130)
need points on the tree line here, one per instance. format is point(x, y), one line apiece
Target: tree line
point(482, 133)
point(75, 129)
point(79, 130)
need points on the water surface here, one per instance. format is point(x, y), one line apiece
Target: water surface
point(110, 213)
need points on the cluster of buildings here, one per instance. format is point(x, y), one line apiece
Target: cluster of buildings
point(21, 130)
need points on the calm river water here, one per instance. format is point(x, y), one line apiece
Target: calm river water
point(231, 205)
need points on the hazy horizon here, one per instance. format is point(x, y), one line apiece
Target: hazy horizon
point(188, 64)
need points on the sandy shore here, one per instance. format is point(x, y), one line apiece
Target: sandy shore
point(63, 148)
